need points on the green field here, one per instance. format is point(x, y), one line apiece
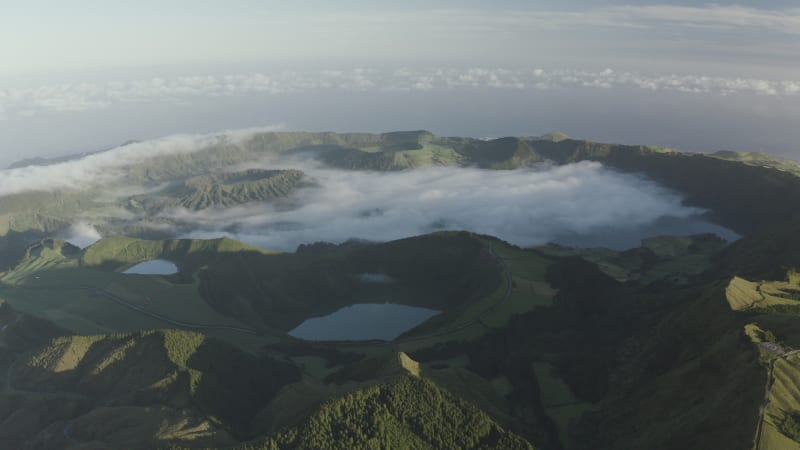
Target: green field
point(526, 270)
point(82, 301)
point(784, 399)
point(557, 398)
point(779, 296)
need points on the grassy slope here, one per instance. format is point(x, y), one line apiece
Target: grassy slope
point(442, 271)
point(692, 380)
point(784, 395)
point(221, 191)
point(79, 290)
point(51, 283)
point(117, 253)
point(774, 334)
point(686, 344)
point(760, 159)
point(408, 412)
point(658, 368)
point(694, 345)
point(198, 391)
point(664, 259)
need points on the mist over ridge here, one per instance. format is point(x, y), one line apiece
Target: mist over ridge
point(530, 206)
point(583, 203)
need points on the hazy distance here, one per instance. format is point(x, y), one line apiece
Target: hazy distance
point(699, 77)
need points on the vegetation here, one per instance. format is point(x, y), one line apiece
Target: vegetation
point(670, 345)
point(221, 190)
point(791, 426)
point(441, 271)
point(220, 387)
point(779, 297)
point(406, 413)
point(119, 253)
point(759, 159)
point(778, 427)
point(200, 179)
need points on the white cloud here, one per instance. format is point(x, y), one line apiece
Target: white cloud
point(712, 19)
point(109, 166)
point(730, 17)
point(526, 206)
point(93, 96)
point(82, 234)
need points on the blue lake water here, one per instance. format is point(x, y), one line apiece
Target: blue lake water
point(365, 321)
point(154, 267)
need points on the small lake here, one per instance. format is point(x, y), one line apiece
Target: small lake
point(154, 267)
point(362, 322)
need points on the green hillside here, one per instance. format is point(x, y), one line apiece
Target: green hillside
point(407, 413)
point(117, 253)
point(440, 271)
point(221, 190)
point(760, 159)
point(202, 179)
point(194, 390)
point(683, 342)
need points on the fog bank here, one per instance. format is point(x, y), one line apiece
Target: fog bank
point(585, 204)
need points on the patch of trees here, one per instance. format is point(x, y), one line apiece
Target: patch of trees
point(406, 413)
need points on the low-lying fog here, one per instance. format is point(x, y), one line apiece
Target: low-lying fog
point(583, 204)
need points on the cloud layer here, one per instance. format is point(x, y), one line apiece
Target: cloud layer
point(583, 204)
point(109, 166)
point(81, 97)
point(502, 31)
point(526, 207)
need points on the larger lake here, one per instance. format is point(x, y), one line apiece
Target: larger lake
point(154, 267)
point(366, 321)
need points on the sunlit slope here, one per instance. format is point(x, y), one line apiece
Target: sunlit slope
point(221, 191)
point(120, 252)
point(407, 411)
point(141, 390)
point(760, 159)
point(776, 296)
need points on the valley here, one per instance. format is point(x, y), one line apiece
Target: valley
point(162, 334)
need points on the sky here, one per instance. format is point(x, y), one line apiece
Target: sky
point(84, 75)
